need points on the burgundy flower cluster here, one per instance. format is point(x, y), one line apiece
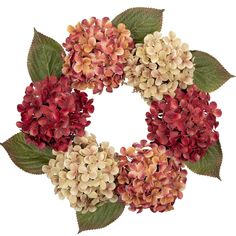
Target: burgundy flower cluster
point(149, 178)
point(184, 124)
point(52, 114)
point(97, 54)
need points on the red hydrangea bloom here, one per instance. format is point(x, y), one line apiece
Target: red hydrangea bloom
point(185, 124)
point(52, 114)
point(98, 53)
point(149, 178)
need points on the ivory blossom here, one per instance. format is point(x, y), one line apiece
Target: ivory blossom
point(159, 66)
point(85, 174)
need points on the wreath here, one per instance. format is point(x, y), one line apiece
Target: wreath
point(103, 55)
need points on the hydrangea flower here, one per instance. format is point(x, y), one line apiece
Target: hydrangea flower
point(185, 124)
point(85, 174)
point(159, 66)
point(52, 114)
point(149, 178)
point(97, 54)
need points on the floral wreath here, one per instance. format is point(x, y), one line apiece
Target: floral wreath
point(104, 55)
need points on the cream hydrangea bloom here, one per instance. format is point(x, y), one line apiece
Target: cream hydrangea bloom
point(85, 174)
point(160, 65)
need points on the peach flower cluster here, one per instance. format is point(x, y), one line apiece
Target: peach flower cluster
point(85, 174)
point(97, 54)
point(160, 65)
point(149, 178)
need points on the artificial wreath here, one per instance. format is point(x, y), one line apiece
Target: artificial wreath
point(103, 55)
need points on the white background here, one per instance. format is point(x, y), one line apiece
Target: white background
point(28, 205)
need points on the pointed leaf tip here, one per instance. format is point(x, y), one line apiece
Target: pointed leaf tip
point(44, 57)
point(26, 156)
point(103, 216)
point(140, 21)
point(210, 164)
point(209, 74)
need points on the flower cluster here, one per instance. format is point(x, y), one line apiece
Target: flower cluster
point(159, 66)
point(185, 124)
point(98, 53)
point(85, 174)
point(52, 114)
point(149, 178)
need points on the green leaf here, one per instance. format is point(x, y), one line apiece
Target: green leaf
point(26, 156)
point(210, 164)
point(44, 58)
point(140, 21)
point(209, 74)
point(102, 217)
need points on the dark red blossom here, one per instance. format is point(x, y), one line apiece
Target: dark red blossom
point(185, 124)
point(52, 114)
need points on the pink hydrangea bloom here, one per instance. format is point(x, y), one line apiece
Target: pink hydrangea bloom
point(97, 54)
point(52, 114)
point(149, 178)
point(185, 124)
